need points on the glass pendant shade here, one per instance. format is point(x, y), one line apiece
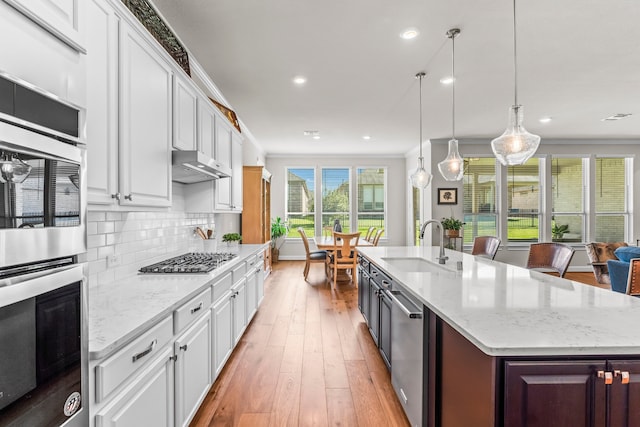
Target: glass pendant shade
point(420, 178)
point(451, 168)
point(515, 146)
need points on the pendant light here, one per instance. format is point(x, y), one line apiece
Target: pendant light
point(451, 168)
point(420, 178)
point(515, 146)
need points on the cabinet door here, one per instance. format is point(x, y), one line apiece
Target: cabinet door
point(624, 410)
point(364, 294)
point(63, 19)
point(102, 103)
point(239, 309)
point(206, 128)
point(549, 393)
point(184, 114)
point(193, 376)
point(236, 178)
point(145, 123)
point(222, 332)
point(260, 279)
point(384, 338)
point(252, 293)
point(147, 401)
point(374, 310)
point(223, 141)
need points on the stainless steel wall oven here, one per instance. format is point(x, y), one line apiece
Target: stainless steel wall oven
point(43, 308)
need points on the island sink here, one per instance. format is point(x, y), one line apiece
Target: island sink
point(413, 264)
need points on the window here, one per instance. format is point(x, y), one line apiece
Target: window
point(523, 202)
point(610, 200)
point(371, 198)
point(300, 211)
point(567, 184)
point(335, 198)
point(479, 202)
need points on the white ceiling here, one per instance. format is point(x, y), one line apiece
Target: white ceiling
point(578, 62)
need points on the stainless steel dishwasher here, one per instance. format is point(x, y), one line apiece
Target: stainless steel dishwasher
point(407, 353)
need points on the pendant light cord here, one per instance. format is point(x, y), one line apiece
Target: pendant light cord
point(515, 62)
point(453, 85)
point(420, 76)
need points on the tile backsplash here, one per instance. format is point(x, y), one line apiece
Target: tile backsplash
point(119, 243)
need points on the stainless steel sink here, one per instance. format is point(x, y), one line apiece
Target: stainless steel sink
point(414, 264)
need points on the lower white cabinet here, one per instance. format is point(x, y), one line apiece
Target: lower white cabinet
point(192, 369)
point(239, 302)
point(147, 400)
point(222, 332)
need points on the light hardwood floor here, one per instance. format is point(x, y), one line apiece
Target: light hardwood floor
point(306, 359)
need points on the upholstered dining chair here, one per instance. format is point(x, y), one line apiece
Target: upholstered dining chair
point(599, 253)
point(624, 271)
point(344, 256)
point(551, 256)
point(485, 246)
point(312, 256)
point(376, 239)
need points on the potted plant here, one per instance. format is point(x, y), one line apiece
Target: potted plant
point(279, 229)
point(557, 231)
point(232, 240)
point(451, 226)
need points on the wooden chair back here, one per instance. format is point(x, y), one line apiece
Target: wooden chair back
point(633, 282)
point(304, 240)
point(553, 256)
point(376, 239)
point(369, 233)
point(485, 246)
point(344, 245)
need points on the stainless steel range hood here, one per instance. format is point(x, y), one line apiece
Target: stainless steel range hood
point(195, 166)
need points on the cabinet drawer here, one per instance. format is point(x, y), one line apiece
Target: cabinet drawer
point(221, 286)
point(191, 310)
point(364, 263)
point(380, 277)
point(239, 271)
point(117, 368)
point(251, 263)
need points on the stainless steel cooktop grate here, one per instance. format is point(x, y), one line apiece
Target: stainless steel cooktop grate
point(192, 262)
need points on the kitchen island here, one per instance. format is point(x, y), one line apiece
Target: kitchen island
point(506, 346)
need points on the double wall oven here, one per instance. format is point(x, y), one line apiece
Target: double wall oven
point(43, 301)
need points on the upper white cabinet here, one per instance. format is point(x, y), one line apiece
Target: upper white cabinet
point(236, 166)
point(62, 18)
point(223, 141)
point(129, 114)
point(184, 114)
point(206, 127)
point(145, 123)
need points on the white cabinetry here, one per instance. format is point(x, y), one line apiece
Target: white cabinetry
point(63, 19)
point(184, 114)
point(236, 178)
point(192, 369)
point(206, 127)
point(229, 191)
point(129, 114)
point(222, 332)
point(146, 401)
point(239, 301)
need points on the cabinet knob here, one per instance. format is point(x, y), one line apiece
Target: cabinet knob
point(116, 196)
point(183, 347)
point(174, 357)
point(129, 197)
point(608, 377)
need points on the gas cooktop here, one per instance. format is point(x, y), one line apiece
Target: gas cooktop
point(192, 262)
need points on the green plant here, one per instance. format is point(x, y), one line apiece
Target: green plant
point(231, 237)
point(451, 223)
point(558, 230)
point(279, 228)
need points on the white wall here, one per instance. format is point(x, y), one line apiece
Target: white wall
point(395, 233)
point(482, 148)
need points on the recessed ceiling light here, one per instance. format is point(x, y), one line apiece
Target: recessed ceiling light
point(545, 119)
point(447, 80)
point(299, 80)
point(366, 137)
point(316, 136)
point(311, 133)
point(618, 116)
point(409, 33)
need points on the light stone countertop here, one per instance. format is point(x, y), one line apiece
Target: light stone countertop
point(121, 311)
point(507, 310)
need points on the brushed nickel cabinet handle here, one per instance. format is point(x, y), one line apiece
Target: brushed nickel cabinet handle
point(196, 309)
point(143, 353)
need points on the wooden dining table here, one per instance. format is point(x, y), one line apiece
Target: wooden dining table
point(326, 243)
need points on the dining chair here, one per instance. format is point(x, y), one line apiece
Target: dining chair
point(376, 239)
point(369, 233)
point(312, 256)
point(553, 256)
point(485, 246)
point(344, 256)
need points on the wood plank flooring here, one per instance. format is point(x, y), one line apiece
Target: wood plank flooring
point(306, 359)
